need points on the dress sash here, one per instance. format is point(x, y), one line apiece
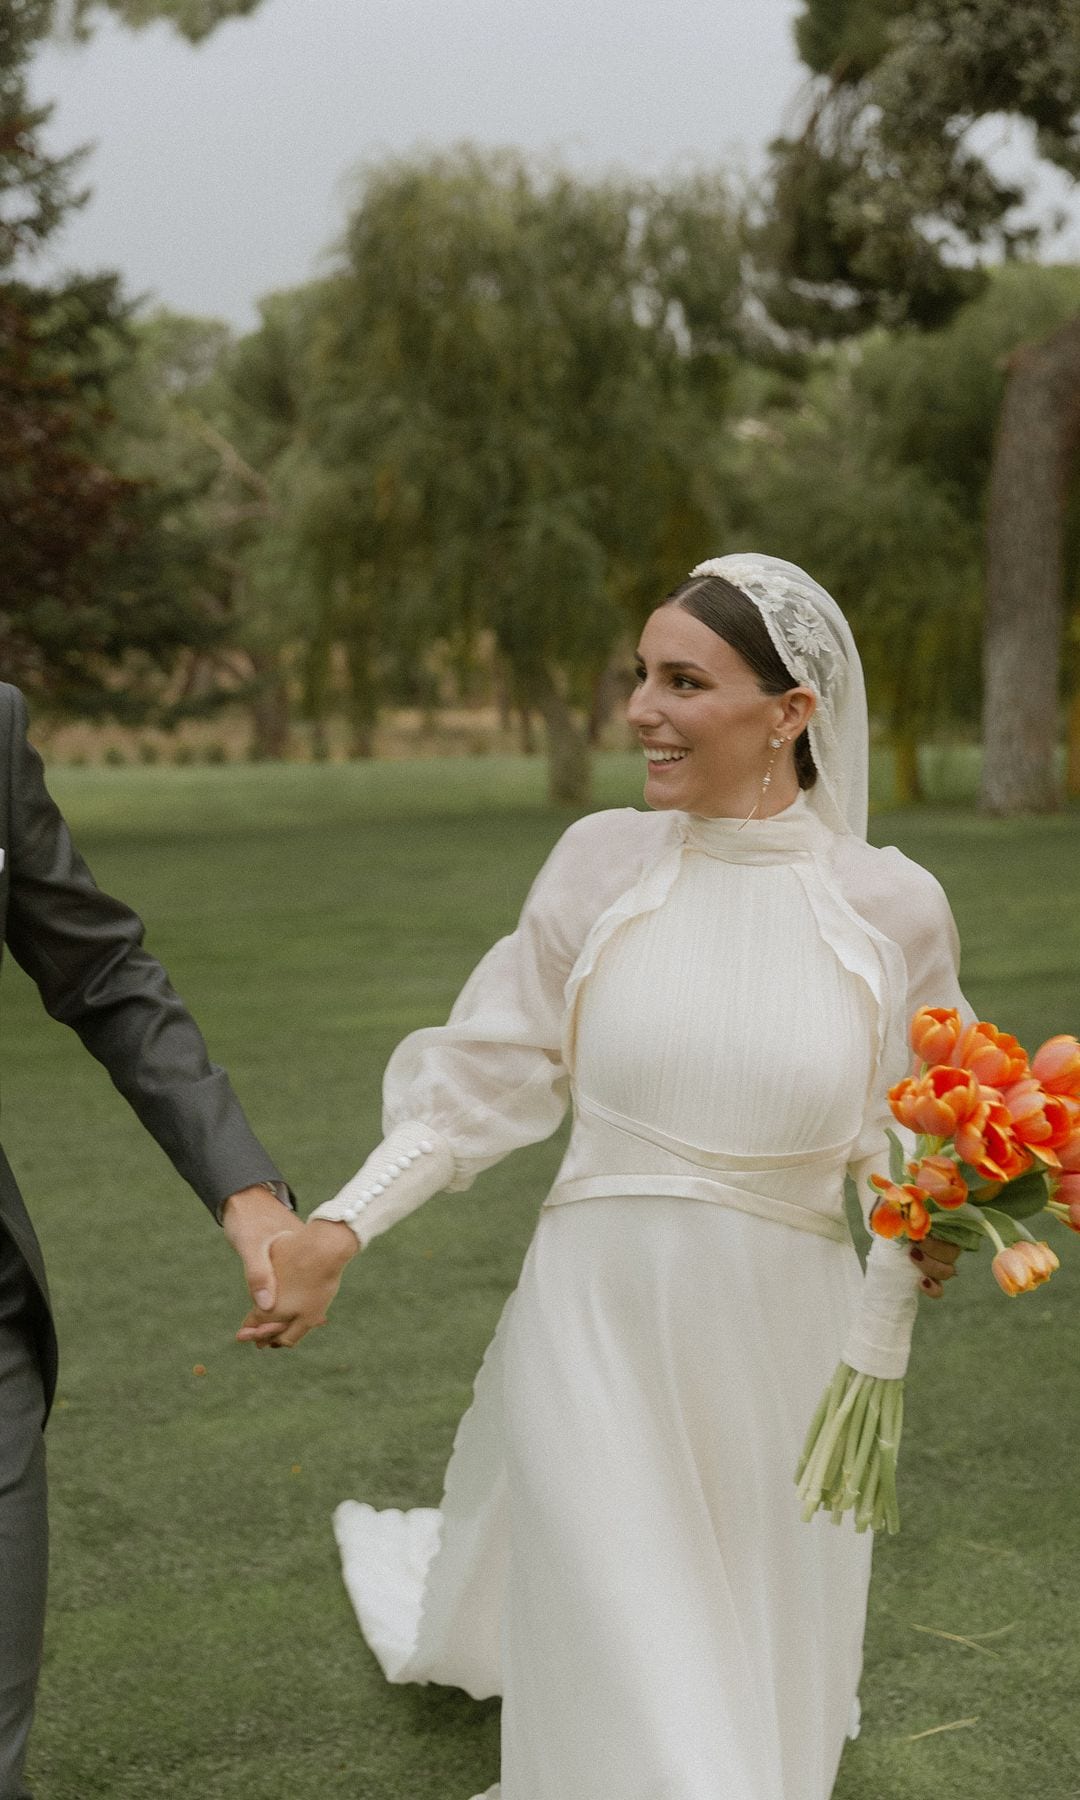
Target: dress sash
point(827, 1161)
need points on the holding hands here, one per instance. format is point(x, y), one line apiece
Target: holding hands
point(307, 1262)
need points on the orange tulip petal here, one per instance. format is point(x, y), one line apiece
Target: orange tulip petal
point(933, 1033)
point(1057, 1065)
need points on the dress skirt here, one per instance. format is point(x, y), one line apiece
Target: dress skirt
point(620, 1551)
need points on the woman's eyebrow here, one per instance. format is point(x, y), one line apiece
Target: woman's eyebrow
point(667, 667)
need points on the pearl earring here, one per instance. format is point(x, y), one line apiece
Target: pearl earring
point(774, 745)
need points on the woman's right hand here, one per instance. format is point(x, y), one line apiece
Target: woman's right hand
point(936, 1262)
point(308, 1265)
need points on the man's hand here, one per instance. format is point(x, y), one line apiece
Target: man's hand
point(251, 1219)
point(936, 1262)
point(307, 1268)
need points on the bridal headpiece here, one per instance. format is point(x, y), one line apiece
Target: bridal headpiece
point(813, 640)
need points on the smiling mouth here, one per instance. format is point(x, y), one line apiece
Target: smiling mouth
point(655, 757)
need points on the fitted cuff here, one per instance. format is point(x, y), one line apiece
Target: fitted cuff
point(412, 1163)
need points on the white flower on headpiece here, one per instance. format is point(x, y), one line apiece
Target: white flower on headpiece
point(806, 632)
point(784, 603)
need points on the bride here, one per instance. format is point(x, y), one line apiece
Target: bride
point(721, 987)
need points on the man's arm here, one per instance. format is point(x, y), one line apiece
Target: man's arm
point(84, 951)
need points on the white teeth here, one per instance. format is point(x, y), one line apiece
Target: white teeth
point(662, 756)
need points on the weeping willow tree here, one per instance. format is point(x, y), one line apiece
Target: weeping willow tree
point(519, 382)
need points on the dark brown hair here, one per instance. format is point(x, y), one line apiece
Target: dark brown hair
point(725, 609)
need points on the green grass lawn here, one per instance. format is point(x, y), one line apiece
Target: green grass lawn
point(200, 1644)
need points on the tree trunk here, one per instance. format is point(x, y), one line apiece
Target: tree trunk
point(269, 709)
point(1036, 445)
point(569, 760)
point(317, 672)
point(609, 691)
point(1072, 772)
point(363, 692)
point(907, 781)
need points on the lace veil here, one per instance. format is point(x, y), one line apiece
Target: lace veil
point(813, 639)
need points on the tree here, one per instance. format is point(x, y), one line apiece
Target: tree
point(519, 391)
point(822, 484)
point(107, 579)
point(86, 555)
point(886, 208)
point(105, 586)
point(193, 19)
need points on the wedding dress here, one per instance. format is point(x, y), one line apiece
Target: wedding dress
point(619, 1550)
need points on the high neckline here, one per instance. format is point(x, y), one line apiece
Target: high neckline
point(796, 831)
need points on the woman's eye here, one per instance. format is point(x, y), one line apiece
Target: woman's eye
point(639, 674)
point(683, 681)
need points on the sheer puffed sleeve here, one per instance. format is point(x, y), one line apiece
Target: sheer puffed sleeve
point(908, 907)
point(460, 1096)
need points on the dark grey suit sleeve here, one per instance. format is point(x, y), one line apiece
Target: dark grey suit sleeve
point(84, 951)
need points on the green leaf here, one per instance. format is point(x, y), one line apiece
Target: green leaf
point(960, 1225)
point(951, 1230)
point(897, 1159)
point(1024, 1197)
point(1005, 1227)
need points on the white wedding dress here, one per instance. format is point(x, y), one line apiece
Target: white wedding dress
point(619, 1551)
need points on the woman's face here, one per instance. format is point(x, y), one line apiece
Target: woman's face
point(705, 725)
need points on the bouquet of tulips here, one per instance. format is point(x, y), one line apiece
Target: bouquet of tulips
point(998, 1145)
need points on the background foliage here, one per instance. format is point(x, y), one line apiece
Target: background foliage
point(461, 466)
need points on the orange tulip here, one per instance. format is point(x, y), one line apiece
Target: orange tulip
point(1023, 1266)
point(939, 1177)
point(1040, 1120)
point(994, 1057)
point(1067, 1189)
point(933, 1033)
point(987, 1141)
point(1057, 1065)
point(1069, 1153)
point(937, 1102)
point(901, 1211)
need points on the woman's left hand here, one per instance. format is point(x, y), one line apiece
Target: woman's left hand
point(936, 1263)
point(307, 1267)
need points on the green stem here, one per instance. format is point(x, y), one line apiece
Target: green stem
point(864, 1514)
point(990, 1232)
point(829, 1399)
point(892, 1421)
point(816, 1476)
point(867, 1440)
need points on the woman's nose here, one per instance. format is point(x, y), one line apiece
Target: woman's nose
point(641, 708)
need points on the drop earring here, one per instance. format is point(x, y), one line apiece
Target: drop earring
point(774, 745)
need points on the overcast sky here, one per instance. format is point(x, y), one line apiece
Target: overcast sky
point(221, 173)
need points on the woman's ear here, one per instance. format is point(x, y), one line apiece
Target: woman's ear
point(796, 711)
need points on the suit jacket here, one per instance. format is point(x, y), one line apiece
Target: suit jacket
point(84, 951)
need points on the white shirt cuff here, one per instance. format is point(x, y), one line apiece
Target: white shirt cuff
point(410, 1165)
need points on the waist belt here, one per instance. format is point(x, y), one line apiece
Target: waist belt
point(711, 1186)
